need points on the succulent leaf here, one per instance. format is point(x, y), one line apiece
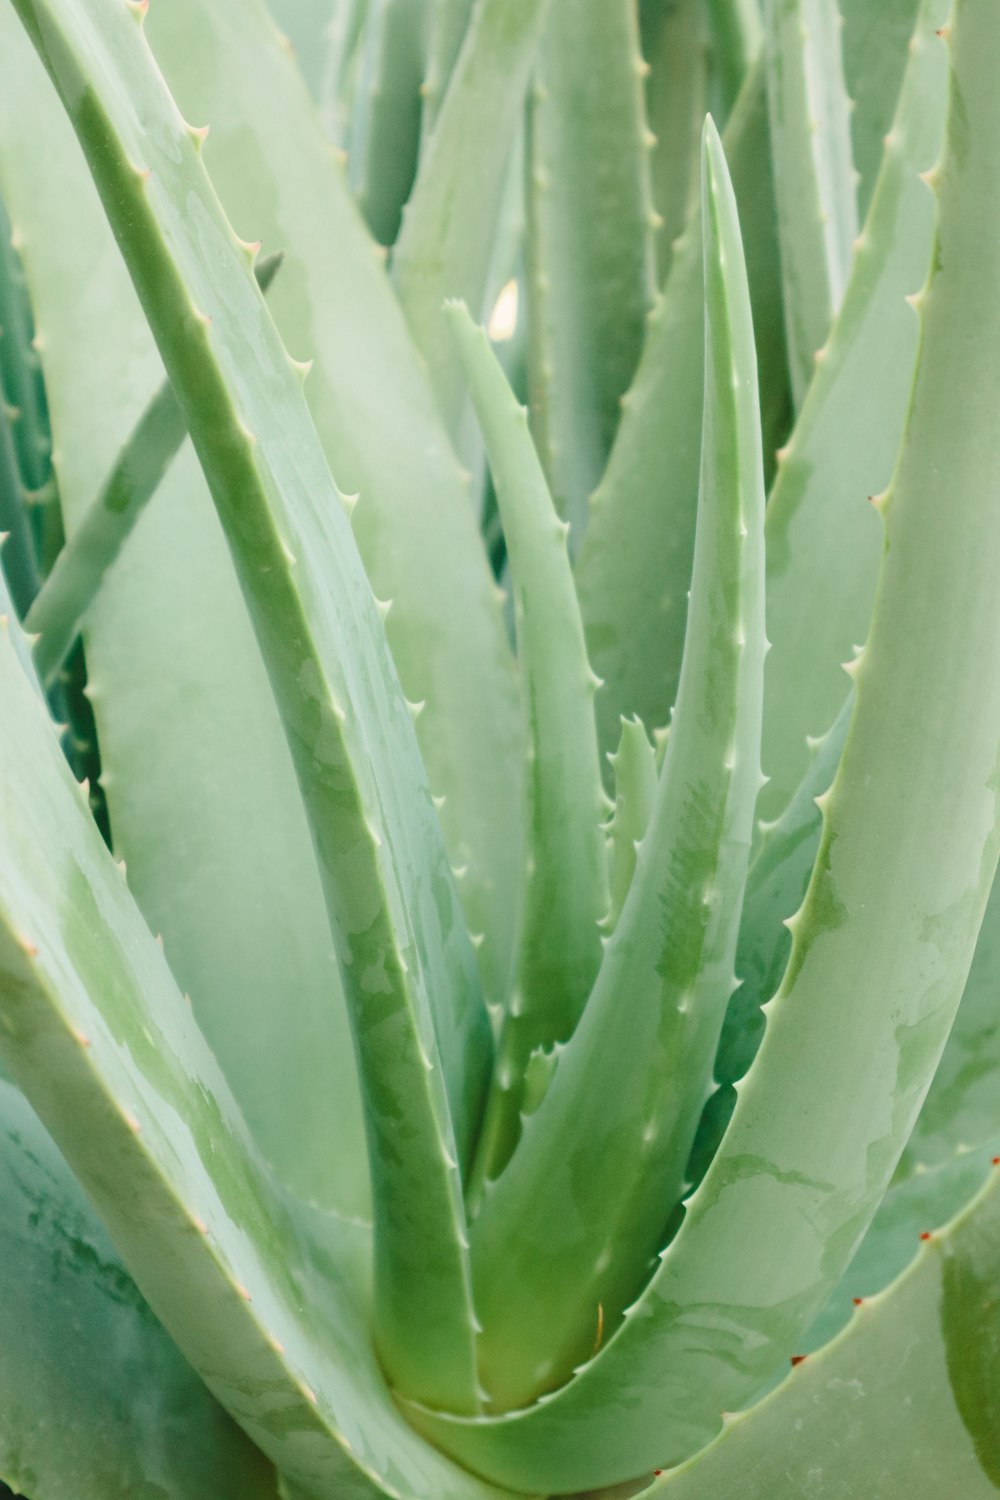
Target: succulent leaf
point(447, 24)
point(635, 771)
point(385, 131)
point(72, 585)
point(674, 46)
point(573, 1221)
point(815, 180)
point(736, 37)
point(590, 270)
point(875, 41)
point(375, 415)
point(962, 1109)
point(268, 1300)
point(824, 539)
point(190, 737)
point(404, 952)
point(75, 1424)
point(885, 939)
point(900, 1403)
point(634, 570)
point(437, 254)
point(566, 889)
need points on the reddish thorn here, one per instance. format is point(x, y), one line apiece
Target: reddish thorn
point(657, 1471)
point(857, 1301)
point(797, 1359)
point(996, 1161)
point(925, 1234)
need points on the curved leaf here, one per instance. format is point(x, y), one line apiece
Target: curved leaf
point(446, 243)
point(902, 1403)
point(375, 414)
point(824, 541)
point(420, 1027)
point(189, 736)
point(269, 1301)
point(95, 1399)
point(572, 1222)
point(815, 181)
point(565, 891)
point(590, 270)
point(885, 939)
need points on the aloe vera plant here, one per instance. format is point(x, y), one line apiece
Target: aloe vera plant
point(499, 749)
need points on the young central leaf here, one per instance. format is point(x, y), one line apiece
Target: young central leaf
point(566, 883)
point(571, 1225)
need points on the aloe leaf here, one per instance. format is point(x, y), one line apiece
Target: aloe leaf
point(913, 1206)
point(20, 371)
point(338, 67)
point(737, 34)
point(188, 736)
point(75, 1424)
point(824, 540)
point(674, 44)
point(76, 576)
point(875, 40)
point(590, 268)
point(961, 1111)
point(332, 303)
point(566, 889)
point(399, 932)
point(439, 253)
point(269, 1301)
point(634, 765)
point(885, 939)
point(385, 133)
point(305, 26)
point(20, 565)
point(572, 1222)
point(777, 880)
point(448, 23)
point(815, 181)
point(901, 1403)
point(634, 569)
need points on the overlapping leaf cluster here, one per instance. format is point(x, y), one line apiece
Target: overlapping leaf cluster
point(478, 978)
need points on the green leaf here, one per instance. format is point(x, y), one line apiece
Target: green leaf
point(189, 736)
point(634, 569)
point(402, 945)
point(446, 242)
point(20, 565)
point(885, 938)
point(913, 1206)
point(306, 24)
point(902, 1403)
point(76, 576)
point(634, 764)
point(385, 130)
point(777, 880)
point(339, 67)
point(279, 181)
point(962, 1109)
point(95, 1399)
point(674, 46)
point(815, 180)
point(736, 35)
point(875, 41)
point(824, 541)
point(571, 1224)
point(21, 385)
point(268, 1300)
point(566, 890)
point(448, 23)
point(590, 248)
